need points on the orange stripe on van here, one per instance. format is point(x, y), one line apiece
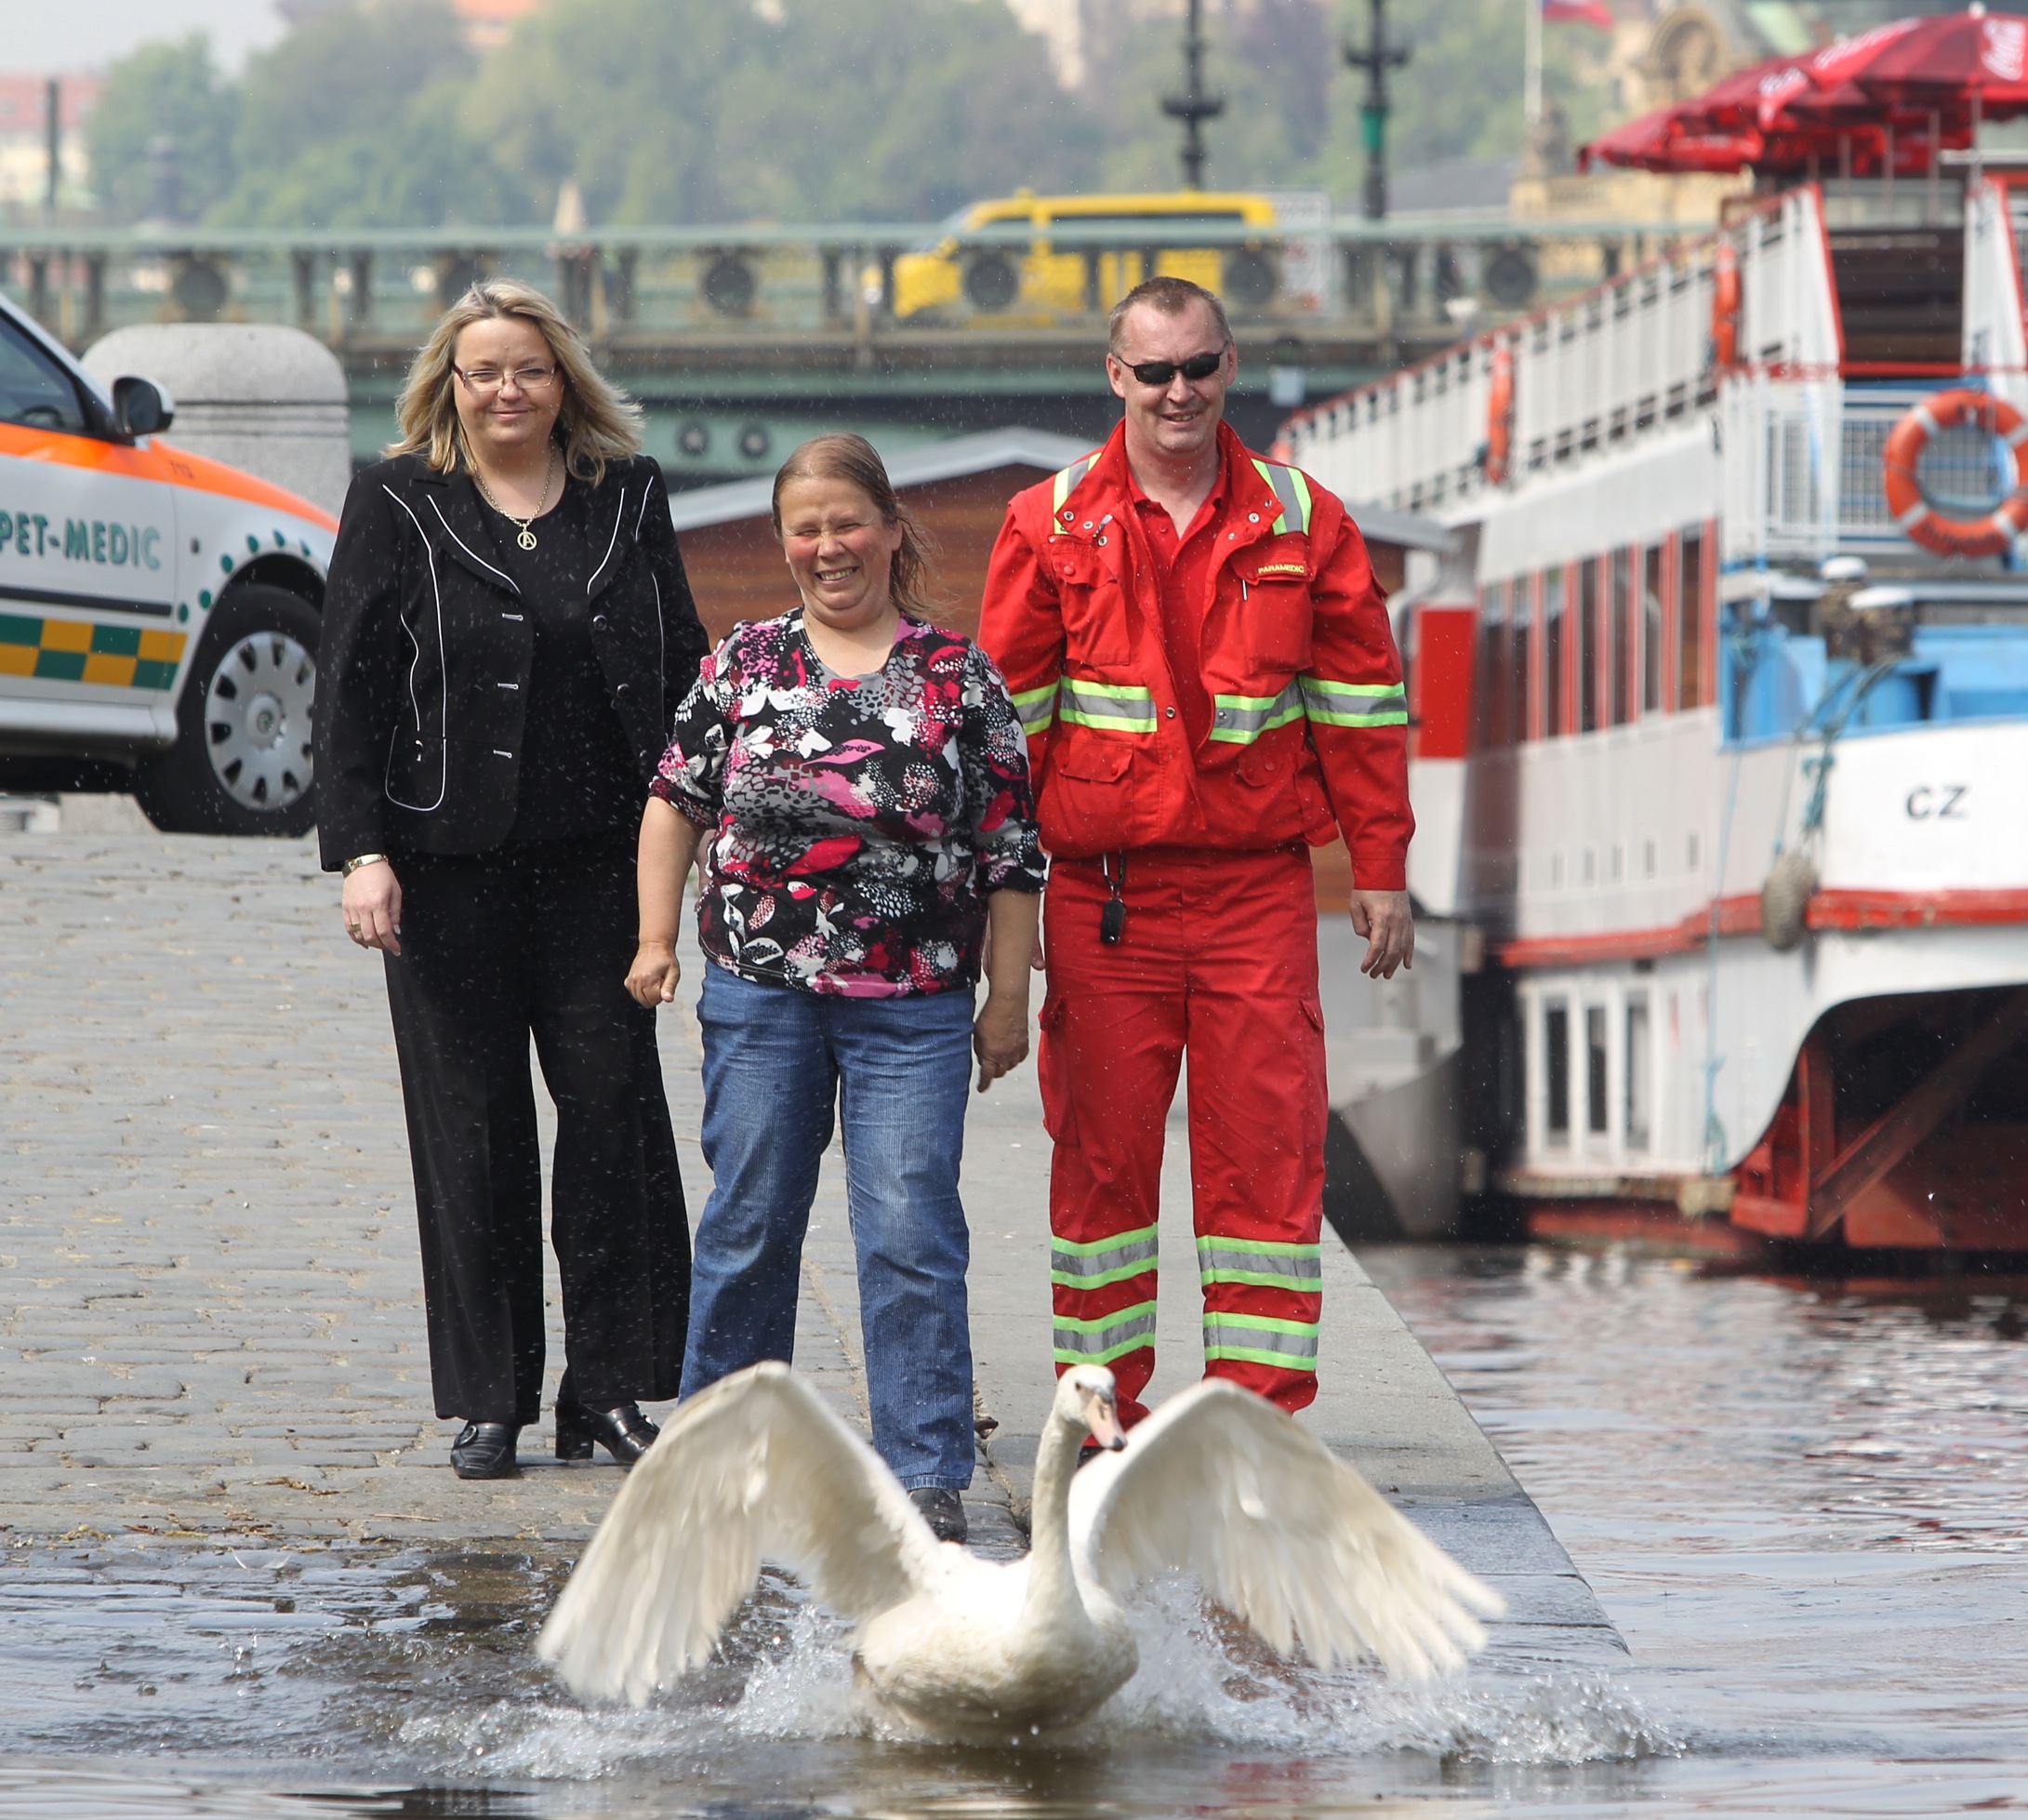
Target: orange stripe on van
point(160, 463)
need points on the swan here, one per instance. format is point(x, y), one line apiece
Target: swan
point(1218, 1481)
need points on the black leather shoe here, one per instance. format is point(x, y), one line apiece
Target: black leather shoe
point(624, 1432)
point(943, 1511)
point(485, 1450)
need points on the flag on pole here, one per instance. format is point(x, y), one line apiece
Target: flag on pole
point(1583, 12)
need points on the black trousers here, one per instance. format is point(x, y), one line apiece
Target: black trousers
point(537, 939)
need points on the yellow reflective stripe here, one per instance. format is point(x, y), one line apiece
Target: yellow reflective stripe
point(1299, 1268)
point(1110, 706)
point(1036, 707)
point(1290, 1344)
point(1291, 489)
point(1099, 1342)
point(1354, 704)
point(1066, 479)
point(1095, 1263)
point(1240, 719)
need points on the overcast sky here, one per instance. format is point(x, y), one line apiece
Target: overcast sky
point(46, 36)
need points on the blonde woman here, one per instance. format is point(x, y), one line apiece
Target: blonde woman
point(507, 635)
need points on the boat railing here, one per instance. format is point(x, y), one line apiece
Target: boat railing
point(1617, 362)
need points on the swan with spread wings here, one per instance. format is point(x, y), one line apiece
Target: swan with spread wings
point(1218, 1481)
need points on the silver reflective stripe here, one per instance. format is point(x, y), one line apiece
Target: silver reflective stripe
point(1036, 707)
point(1291, 489)
point(1242, 719)
point(1067, 478)
point(1095, 1264)
point(1265, 1342)
point(1283, 1267)
point(1354, 704)
point(1098, 1342)
point(1109, 706)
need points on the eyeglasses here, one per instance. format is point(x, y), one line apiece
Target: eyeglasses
point(1160, 372)
point(486, 380)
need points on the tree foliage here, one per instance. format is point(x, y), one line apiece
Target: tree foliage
point(163, 91)
point(687, 111)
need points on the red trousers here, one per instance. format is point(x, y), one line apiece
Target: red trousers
point(1218, 961)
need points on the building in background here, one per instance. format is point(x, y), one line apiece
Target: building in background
point(24, 141)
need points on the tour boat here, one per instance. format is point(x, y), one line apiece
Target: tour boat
point(1720, 737)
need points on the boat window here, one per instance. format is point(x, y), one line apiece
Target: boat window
point(1591, 653)
point(1622, 626)
point(1638, 1087)
point(34, 390)
point(1552, 654)
point(1650, 640)
point(1490, 695)
point(1689, 612)
point(1597, 1115)
point(1556, 1070)
point(1521, 616)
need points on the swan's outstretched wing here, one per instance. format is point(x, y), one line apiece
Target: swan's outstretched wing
point(1282, 1532)
point(757, 1464)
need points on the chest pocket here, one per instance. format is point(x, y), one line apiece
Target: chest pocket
point(1095, 610)
point(1274, 609)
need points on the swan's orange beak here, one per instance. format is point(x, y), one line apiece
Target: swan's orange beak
point(1104, 1421)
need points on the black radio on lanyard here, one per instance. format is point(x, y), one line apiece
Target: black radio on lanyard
point(1112, 922)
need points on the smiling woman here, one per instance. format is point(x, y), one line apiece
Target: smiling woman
point(864, 782)
point(508, 631)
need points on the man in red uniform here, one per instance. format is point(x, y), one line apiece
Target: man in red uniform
point(1204, 667)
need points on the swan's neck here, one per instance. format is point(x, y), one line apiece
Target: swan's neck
point(1051, 1581)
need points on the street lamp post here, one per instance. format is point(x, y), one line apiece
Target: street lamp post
point(1193, 107)
point(1376, 60)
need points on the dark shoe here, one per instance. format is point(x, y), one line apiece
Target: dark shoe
point(485, 1450)
point(624, 1432)
point(943, 1511)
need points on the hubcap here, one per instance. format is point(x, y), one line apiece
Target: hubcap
point(257, 718)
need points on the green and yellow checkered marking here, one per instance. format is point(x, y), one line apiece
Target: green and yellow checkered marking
point(82, 651)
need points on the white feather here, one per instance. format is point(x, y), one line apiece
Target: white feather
point(1217, 1483)
point(757, 1464)
point(1220, 1483)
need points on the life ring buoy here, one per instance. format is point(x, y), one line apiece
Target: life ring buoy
point(1725, 307)
point(1923, 522)
point(1500, 414)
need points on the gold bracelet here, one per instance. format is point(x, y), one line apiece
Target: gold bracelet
point(352, 865)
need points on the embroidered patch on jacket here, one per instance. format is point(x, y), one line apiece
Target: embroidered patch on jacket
point(1280, 568)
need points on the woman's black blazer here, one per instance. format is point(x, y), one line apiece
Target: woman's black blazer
point(422, 673)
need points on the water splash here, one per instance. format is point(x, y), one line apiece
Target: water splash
point(785, 1677)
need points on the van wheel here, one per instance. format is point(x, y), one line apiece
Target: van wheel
point(242, 764)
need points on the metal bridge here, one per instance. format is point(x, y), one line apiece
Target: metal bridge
point(738, 340)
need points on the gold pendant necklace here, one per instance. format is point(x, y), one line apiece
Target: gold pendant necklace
point(527, 537)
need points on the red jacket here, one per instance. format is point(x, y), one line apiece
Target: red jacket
point(1309, 728)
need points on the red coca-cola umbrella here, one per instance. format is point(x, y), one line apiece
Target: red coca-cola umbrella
point(1660, 141)
point(1683, 138)
point(1973, 60)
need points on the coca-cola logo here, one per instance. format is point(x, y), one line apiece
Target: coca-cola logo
point(1775, 92)
point(1832, 64)
point(2002, 46)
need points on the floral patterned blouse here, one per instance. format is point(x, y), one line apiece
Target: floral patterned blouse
point(858, 823)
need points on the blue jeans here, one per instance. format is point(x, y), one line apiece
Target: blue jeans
point(775, 1062)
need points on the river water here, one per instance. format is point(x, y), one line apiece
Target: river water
point(1804, 1503)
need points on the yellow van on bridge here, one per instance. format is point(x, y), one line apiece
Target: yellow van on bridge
point(1011, 283)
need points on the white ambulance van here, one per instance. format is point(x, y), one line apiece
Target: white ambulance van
point(158, 612)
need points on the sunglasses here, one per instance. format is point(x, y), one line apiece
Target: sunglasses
point(1160, 372)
